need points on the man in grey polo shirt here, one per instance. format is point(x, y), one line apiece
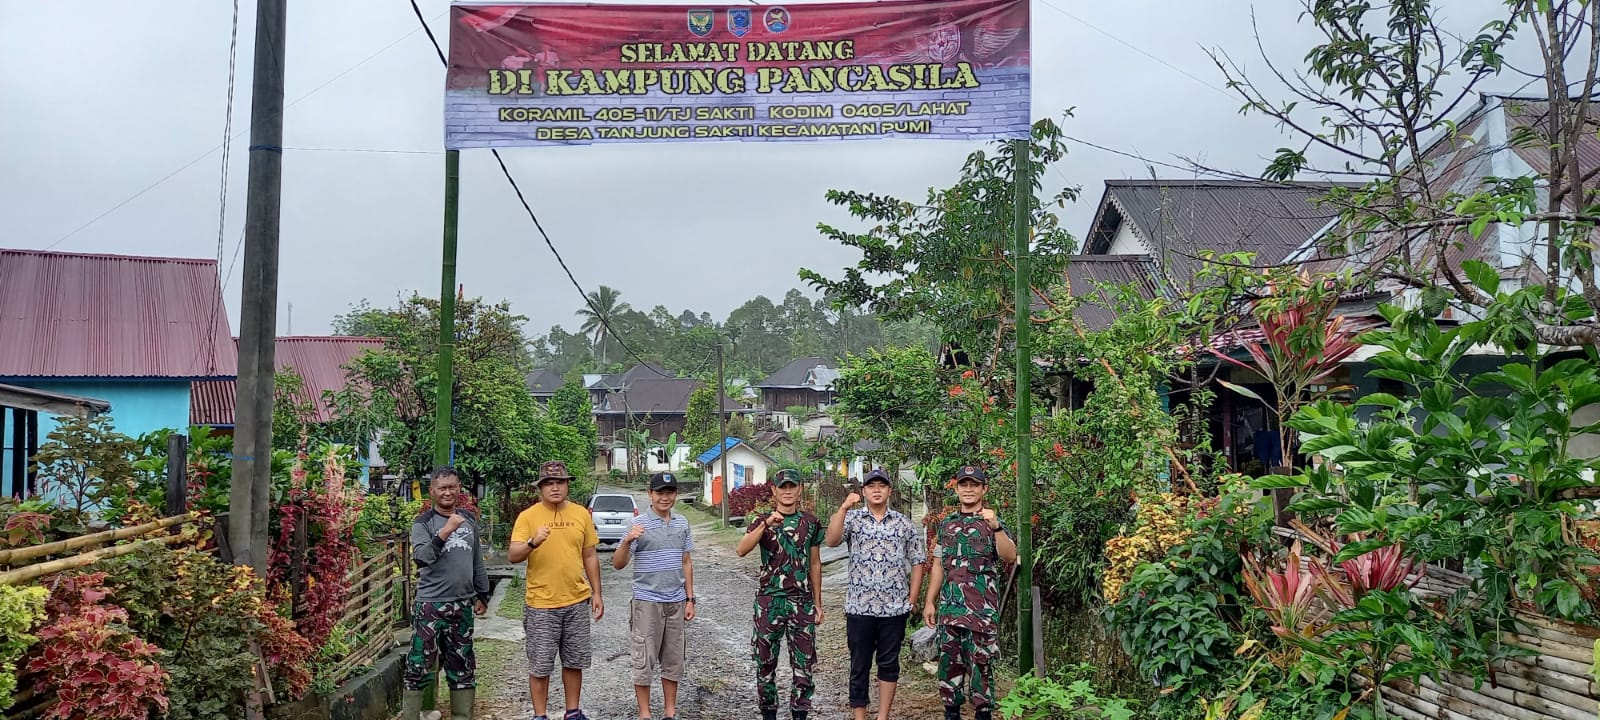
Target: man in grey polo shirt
point(663, 594)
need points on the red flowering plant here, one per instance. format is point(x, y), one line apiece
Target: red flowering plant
point(90, 660)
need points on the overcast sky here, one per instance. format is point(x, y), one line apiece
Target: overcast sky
point(102, 100)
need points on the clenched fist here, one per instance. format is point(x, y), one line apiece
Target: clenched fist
point(542, 535)
point(634, 533)
point(775, 519)
point(991, 518)
point(852, 500)
point(451, 525)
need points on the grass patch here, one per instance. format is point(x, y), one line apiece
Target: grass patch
point(697, 515)
point(511, 607)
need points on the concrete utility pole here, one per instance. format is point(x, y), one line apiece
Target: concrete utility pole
point(249, 493)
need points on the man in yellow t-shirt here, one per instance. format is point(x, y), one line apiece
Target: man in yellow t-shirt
point(557, 538)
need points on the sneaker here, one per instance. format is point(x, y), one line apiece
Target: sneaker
point(576, 715)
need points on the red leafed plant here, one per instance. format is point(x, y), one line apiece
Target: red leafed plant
point(24, 528)
point(1304, 344)
point(288, 654)
point(1384, 569)
point(330, 513)
point(1286, 595)
point(89, 659)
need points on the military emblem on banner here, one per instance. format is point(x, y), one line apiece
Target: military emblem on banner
point(701, 22)
point(739, 21)
point(776, 19)
point(944, 43)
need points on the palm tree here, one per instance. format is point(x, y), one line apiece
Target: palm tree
point(603, 307)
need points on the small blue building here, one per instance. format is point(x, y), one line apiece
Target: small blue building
point(134, 332)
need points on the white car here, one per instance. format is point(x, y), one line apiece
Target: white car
point(613, 515)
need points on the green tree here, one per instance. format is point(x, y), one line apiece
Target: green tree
point(603, 307)
point(1399, 84)
point(570, 407)
point(949, 258)
point(563, 351)
point(498, 430)
point(80, 463)
point(700, 427)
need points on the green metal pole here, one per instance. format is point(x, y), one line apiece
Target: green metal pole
point(447, 309)
point(1024, 421)
point(447, 338)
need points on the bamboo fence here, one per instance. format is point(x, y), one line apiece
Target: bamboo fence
point(1557, 682)
point(19, 566)
point(380, 590)
point(376, 604)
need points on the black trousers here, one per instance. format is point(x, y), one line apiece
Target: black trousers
point(872, 638)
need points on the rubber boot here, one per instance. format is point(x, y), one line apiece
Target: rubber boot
point(984, 714)
point(952, 712)
point(798, 714)
point(769, 714)
point(411, 705)
point(461, 703)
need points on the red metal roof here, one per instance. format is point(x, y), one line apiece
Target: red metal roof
point(103, 316)
point(319, 360)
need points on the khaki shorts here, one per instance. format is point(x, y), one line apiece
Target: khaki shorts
point(658, 641)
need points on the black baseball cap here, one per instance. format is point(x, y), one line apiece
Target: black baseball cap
point(877, 475)
point(663, 481)
point(972, 472)
point(786, 477)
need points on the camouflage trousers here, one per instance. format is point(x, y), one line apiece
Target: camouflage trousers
point(966, 666)
point(777, 618)
point(441, 634)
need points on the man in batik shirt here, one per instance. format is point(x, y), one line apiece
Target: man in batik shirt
point(964, 597)
point(789, 598)
point(886, 558)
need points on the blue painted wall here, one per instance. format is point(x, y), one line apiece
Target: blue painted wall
point(137, 406)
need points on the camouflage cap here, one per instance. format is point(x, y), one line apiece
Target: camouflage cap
point(554, 470)
point(786, 477)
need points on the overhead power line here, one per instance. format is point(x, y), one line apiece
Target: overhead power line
point(1138, 49)
point(611, 332)
point(198, 159)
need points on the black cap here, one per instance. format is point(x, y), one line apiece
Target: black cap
point(877, 475)
point(786, 477)
point(974, 472)
point(663, 481)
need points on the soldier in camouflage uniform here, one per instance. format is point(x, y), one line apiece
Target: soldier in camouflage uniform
point(789, 599)
point(963, 600)
point(452, 586)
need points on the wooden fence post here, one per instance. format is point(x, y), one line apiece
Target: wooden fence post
point(220, 533)
point(177, 474)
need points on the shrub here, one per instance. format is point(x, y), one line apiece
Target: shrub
point(92, 662)
point(21, 608)
point(1181, 618)
point(1073, 698)
point(748, 499)
point(204, 615)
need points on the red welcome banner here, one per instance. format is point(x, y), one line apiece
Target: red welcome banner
point(539, 74)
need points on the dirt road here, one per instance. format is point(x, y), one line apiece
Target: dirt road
point(721, 683)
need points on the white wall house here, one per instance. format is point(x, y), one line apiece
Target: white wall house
point(746, 466)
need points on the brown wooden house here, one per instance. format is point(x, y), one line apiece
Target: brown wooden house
point(806, 381)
